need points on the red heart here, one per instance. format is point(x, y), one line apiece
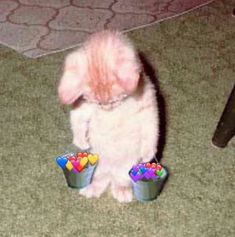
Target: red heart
point(72, 158)
point(79, 168)
point(153, 165)
point(159, 167)
point(148, 165)
point(84, 154)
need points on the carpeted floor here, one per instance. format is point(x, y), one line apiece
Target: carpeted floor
point(194, 57)
point(38, 27)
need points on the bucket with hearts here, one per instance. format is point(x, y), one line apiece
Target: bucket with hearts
point(78, 168)
point(147, 180)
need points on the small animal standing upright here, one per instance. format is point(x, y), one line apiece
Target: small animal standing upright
point(115, 111)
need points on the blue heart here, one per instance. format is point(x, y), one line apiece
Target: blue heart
point(143, 170)
point(134, 172)
point(61, 161)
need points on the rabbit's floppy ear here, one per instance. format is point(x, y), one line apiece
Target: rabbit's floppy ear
point(71, 84)
point(128, 70)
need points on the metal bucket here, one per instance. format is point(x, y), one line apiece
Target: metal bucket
point(81, 179)
point(148, 190)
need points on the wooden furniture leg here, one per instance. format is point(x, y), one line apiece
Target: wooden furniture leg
point(226, 126)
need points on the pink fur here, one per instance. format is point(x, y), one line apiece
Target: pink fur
point(117, 116)
point(106, 58)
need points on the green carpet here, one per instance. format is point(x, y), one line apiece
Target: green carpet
point(194, 57)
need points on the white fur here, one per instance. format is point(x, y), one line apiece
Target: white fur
point(122, 134)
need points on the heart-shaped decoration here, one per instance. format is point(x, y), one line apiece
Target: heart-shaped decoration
point(159, 167)
point(77, 166)
point(72, 158)
point(136, 177)
point(69, 165)
point(75, 170)
point(148, 165)
point(149, 174)
point(135, 168)
point(83, 161)
point(61, 161)
point(75, 163)
point(93, 159)
point(143, 170)
point(139, 165)
point(159, 173)
point(134, 172)
point(133, 177)
point(82, 154)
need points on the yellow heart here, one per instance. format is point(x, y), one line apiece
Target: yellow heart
point(93, 159)
point(83, 161)
point(69, 165)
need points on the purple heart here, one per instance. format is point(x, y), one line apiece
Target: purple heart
point(155, 177)
point(136, 177)
point(135, 169)
point(75, 170)
point(149, 174)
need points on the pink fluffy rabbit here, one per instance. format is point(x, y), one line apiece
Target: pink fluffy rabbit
point(115, 112)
